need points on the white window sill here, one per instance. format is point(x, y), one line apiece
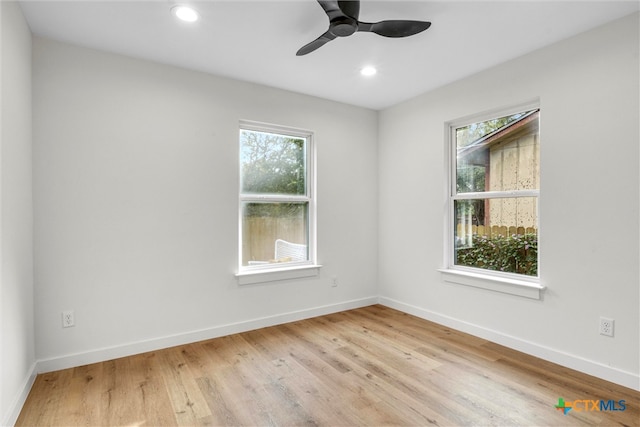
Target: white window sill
point(524, 288)
point(277, 274)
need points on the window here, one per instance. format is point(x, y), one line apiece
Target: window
point(494, 191)
point(277, 209)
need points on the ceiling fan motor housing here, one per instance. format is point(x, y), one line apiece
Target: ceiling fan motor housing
point(343, 26)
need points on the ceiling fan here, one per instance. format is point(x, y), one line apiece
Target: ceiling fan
point(343, 22)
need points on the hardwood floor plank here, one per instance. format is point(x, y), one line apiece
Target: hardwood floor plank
point(259, 397)
point(185, 395)
point(303, 373)
point(268, 395)
point(363, 347)
point(209, 371)
point(147, 376)
point(124, 399)
point(83, 391)
point(410, 370)
point(372, 366)
point(46, 399)
point(392, 385)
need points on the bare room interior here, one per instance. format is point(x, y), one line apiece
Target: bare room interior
point(153, 272)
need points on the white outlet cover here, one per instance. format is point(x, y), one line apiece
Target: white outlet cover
point(68, 319)
point(607, 326)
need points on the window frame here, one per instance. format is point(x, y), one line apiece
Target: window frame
point(510, 283)
point(249, 274)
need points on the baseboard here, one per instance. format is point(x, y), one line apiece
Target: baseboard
point(617, 376)
point(109, 353)
point(12, 415)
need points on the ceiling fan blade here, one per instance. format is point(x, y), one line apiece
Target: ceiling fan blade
point(394, 28)
point(350, 8)
point(319, 42)
point(332, 9)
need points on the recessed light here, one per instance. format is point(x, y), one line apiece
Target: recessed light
point(185, 13)
point(368, 71)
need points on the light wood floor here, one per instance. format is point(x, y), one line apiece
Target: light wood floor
point(371, 366)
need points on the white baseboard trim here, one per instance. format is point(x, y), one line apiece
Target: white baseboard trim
point(109, 353)
point(12, 415)
point(617, 376)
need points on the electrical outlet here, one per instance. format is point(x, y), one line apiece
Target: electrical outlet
point(606, 326)
point(334, 281)
point(68, 319)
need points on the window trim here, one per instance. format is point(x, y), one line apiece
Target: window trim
point(509, 283)
point(291, 270)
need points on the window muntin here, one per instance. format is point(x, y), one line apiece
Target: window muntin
point(494, 194)
point(276, 198)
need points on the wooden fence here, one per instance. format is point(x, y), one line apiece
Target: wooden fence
point(260, 234)
point(495, 230)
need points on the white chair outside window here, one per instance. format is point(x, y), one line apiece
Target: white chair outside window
point(285, 252)
point(290, 251)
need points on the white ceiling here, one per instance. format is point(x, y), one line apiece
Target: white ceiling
point(256, 41)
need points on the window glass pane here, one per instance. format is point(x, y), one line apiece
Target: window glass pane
point(499, 155)
point(274, 233)
point(272, 164)
point(497, 234)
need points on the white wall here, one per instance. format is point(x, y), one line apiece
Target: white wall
point(589, 205)
point(16, 222)
point(135, 190)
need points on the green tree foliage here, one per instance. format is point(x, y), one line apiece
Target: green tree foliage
point(470, 179)
point(272, 164)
